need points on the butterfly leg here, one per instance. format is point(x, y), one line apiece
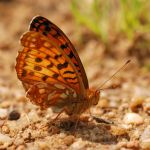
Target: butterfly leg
point(63, 110)
point(75, 119)
point(89, 111)
point(77, 122)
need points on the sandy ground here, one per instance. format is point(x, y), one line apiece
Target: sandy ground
point(24, 126)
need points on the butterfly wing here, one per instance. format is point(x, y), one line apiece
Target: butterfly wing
point(46, 95)
point(56, 35)
point(43, 62)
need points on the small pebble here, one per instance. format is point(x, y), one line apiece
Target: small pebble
point(78, 145)
point(33, 116)
point(123, 107)
point(18, 124)
point(62, 135)
point(111, 114)
point(42, 145)
point(136, 103)
point(133, 118)
point(3, 113)
point(14, 115)
point(136, 134)
point(121, 145)
point(127, 126)
point(145, 138)
point(27, 134)
point(5, 129)
point(5, 140)
point(68, 140)
point(2, 122)
point(20, 147)
point(18, 141)
point(103, 103)
point(147, 105)
point(133, 144)
point(118, 130)
point(5, 104)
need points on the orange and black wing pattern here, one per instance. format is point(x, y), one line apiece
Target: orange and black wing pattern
point(43, 61)
point(56, 35)
point(49, 67)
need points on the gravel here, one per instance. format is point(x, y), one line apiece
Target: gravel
point(3, 113)
point(133, 118)
point(23, 126)
point(145, 138)
point(5, 141)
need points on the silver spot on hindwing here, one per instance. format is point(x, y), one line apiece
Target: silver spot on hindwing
point(51, 95)
point(59, 86)
point(63, 95)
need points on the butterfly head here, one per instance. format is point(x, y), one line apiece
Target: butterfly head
point(93, 96)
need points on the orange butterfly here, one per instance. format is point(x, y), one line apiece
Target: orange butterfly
point(51, 70)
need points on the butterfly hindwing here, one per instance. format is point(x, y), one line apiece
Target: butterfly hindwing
point(46, 95)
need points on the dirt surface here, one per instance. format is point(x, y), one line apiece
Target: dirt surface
point(24, 126)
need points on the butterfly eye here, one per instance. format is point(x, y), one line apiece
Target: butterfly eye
point(97, 93)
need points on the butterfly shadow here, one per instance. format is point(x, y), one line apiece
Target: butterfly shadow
point(87, 130)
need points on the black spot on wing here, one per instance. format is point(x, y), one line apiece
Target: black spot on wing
point(37, 68)
point(50, 65)
point(57, 34)
point(46, 22)
point(47, 28)
point(71, 54)
point(70, 78)
point(24, 72)
point(55, 76)
point(76, 65)
point(38, 59)
point(58, 56)
point(73, 82)
point(63, 46)
point(31, 73)
point(61, 66)
point(36, 20)
point(44, 78)
point(69, 72)
point(45, 33)
point(47, 57)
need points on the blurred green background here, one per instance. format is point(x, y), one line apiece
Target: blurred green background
point(104, 18)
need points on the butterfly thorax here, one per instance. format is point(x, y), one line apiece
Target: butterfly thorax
point(80, 106)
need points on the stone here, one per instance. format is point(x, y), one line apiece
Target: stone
point(3, 113)
point(5, 141)
point(133, 118)
point(145, 138)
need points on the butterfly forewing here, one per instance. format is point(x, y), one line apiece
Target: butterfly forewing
point(56, 35)
point(41, 60)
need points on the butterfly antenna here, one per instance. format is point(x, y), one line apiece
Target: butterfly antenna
point(121, 68)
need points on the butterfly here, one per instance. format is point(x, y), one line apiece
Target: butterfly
point(51, 70)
